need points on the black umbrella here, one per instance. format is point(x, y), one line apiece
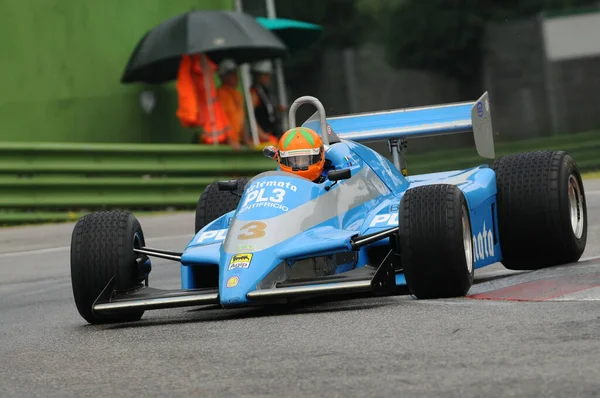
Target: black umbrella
point(218, 34)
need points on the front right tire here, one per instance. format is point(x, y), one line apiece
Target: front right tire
point(214, 203)
point(435, 241)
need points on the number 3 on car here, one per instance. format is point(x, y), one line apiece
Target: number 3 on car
point(253, 230)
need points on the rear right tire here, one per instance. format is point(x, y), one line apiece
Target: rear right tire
point(214, 203)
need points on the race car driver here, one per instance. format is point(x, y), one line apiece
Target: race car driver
point(301, 152)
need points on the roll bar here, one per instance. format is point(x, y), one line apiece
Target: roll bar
point(307, 99)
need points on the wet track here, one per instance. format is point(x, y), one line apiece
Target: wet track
point(392, 346)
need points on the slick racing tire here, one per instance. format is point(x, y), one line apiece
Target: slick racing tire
point(102, 247)
point(435, 241)
point(542, 212)
point(214, 203)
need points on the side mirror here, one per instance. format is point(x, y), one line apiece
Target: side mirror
point(337, 175)
point(230, 185)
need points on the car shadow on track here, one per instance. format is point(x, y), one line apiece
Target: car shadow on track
point(496, 276)
point(216, 314)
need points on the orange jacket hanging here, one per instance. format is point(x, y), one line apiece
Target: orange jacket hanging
point(198, 106)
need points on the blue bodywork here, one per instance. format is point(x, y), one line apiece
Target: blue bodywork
point(282, 218)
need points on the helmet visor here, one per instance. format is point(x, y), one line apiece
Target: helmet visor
point(300, 158)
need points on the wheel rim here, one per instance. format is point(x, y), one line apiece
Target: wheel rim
point(467, 241)
point(576, 206)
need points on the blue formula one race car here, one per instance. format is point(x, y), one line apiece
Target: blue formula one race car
point(369, 227)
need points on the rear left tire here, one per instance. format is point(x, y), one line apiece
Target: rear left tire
point(435, 241)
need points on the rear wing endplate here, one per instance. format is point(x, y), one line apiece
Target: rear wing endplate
point(406, 123)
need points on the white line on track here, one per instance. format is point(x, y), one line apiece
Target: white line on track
point(63, 248)
point(592, 193)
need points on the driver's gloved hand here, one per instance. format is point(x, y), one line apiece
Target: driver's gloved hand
point(270, 152)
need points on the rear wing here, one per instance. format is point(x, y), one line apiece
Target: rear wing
point(399, 124)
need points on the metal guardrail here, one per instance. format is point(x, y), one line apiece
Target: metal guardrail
point(68, 192)
point(43, 182)
point(129, 159)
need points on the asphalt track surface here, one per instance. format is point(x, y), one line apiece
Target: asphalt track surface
point(375, 347)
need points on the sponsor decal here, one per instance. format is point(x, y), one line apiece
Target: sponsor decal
point(233, 281)
point(387, 219)
point(216, 235)
point(264, 204)
point(267, 194)
point(266, 184)
point(483, 244)
point(244, 248)
point(297, 152)
point(241, 260)
point(487, 105)
point(384, 220)
point(480, 109)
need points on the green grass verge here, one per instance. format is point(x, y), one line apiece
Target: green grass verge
point(584, 147)
point(41, 218)
point(591, 176)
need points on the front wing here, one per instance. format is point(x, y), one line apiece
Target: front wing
point(380, 280)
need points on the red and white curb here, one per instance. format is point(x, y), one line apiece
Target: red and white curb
point(573, 282)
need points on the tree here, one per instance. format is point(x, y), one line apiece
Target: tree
point(445, 36)
point(343, 26)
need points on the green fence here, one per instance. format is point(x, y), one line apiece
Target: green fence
point(53, 182)
point(61, 82)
